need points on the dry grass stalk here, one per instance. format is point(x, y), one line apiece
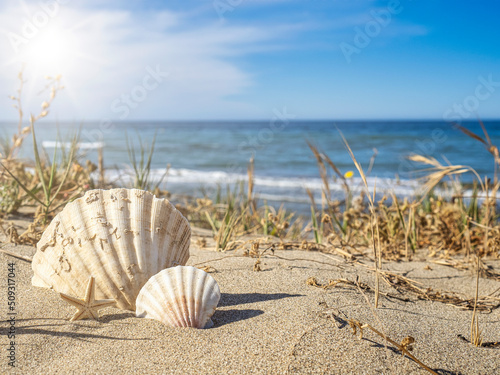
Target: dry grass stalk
point(439, 172)
point(207, 269)
point(250, 171)
point(10, 151)
point(374, 228)
point(402, 284)
point(393, 231)
point(100, 163)
point(323, 161)
point(485, 271)
point(404, 347)
point(322, 170)
point(15, 255)
point(52, 178)
point(312, 281)
point(475, 331)
point(492, 149)
point(318, 237)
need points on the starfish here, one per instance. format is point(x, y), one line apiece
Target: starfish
point(88, 307)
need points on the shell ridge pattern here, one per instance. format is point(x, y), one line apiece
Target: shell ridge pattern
point(159, 236)
point(170, 241)
point(113, 256)
point(186, 313)
point(181, 297)
point(155, 289)
point(122, 293)
point(167, 260)
point(190, 297)
point(127, 232)
point(176, 226)
point(148, 293)
point(129, 260)
point(213, 295)
point(153, 264)
point(156, 209)
point(108, 234)
point(121, 260)
point(169, 292)
point(103, 258)
point(202, 281)
point(77, 263)
point(165, 254)
point(43, 257)
point(147, 203)
point(138, 217)
point(131, 239)
point(53, 256)
point(184, 241)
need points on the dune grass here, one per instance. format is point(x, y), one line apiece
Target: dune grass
point(388, 229)
point(391, 227)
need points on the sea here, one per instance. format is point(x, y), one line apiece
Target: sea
point(204, 155)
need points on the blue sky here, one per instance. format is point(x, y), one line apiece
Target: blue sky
point(244, 59)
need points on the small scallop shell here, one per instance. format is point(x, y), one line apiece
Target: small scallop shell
point(181, 296)
point(121, 237)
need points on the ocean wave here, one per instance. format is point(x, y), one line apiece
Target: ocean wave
point(68, 145)
point(294, 186)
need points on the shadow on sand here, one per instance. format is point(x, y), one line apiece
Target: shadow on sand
point(230, 299)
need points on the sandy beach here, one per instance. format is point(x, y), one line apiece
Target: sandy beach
point(267, 322)
point(334, 166)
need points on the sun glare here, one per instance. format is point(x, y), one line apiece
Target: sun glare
point(49, 41)
point(52, 50)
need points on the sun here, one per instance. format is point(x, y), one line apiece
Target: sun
point(51, 50)
point(62, 43)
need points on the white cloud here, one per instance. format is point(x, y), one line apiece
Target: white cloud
point(106, 53)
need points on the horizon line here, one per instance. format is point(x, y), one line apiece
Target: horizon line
point(262, 120)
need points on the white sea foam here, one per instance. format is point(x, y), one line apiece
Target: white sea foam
point(280, 189)
point(291, 189)
point(81, 145)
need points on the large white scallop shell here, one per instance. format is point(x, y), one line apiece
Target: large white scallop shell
point(121, 237)
point(179, 297)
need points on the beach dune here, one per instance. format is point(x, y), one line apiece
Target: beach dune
point(267, 322)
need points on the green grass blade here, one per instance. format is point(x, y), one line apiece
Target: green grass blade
point(131, 154)
point(337, 222)
point(210, 221)
point(66, 173)
point(150, 158)
point(315, 225)
point(53, 168)
point(38, 163)
point(28, 191)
